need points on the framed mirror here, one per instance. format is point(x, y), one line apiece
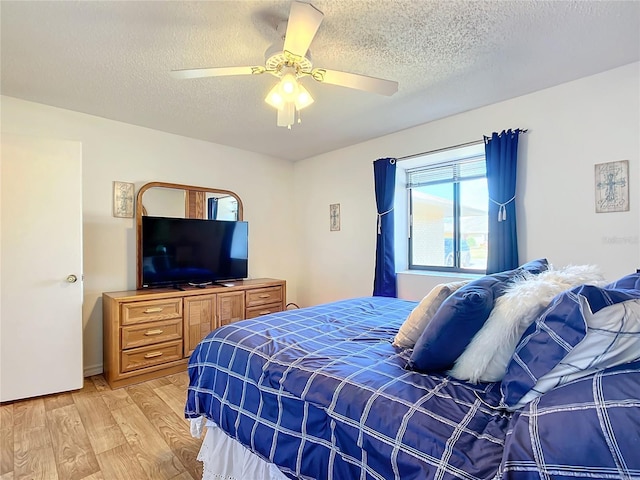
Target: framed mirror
point(160, 199)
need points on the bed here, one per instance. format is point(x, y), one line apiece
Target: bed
point(326, 393)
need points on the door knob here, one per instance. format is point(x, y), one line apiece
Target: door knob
point(72, 278)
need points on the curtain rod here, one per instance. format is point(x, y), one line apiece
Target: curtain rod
point(467, 144)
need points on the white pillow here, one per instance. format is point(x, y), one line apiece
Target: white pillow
point(422, 314)
point(486, 358)
point(613, 338)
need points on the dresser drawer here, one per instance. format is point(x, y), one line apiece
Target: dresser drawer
point(138, 312)
point(263, 296)
point(142, 357)
point(138, 335)
point(258, 311)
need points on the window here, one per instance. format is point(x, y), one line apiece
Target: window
point(448, 207)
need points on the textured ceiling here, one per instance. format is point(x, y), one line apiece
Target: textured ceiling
point(112, 59)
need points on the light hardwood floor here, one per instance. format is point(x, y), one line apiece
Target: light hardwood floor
point(137, 432)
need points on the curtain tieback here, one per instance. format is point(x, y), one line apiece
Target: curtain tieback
point(380, 220)
point(502, 210)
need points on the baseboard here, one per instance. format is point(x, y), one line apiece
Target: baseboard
point(91, 370)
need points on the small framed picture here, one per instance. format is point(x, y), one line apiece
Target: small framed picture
point(123, 199)
point(612, 186)
point(334, 217)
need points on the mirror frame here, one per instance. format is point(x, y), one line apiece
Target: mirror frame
point(194, 207)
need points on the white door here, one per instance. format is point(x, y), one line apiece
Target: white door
point(40, 255)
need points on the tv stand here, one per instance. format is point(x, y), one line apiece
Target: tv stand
point(200, 285)
point(150, 333)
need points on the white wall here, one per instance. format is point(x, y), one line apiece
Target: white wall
point(118, 151)
point(571, 127)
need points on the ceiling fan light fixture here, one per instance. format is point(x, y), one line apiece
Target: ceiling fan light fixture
point(286, 115)
point(289, 87)
point(304, 98)
point(288, 96)
point(274, 98)
point(289, 84)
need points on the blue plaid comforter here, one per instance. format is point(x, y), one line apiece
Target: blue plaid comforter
point(323, 394)
point(586, 429)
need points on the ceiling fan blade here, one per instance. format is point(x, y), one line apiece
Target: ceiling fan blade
point(353, 80)
point(304, 21)
point(216, 72)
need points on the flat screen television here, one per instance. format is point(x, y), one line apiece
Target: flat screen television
point(180, 251)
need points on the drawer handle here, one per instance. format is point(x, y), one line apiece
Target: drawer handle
point(153, 310)
point(150, 333)
point(264, 295)
point(153, 355)
point(264, 312)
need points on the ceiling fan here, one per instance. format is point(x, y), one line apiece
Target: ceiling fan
point(291, 61)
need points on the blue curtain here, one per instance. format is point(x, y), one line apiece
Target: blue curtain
point(502, 154)
point(384, 174)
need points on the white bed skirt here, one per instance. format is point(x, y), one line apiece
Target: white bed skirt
point(227, 459)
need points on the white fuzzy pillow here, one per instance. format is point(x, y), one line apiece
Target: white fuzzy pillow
point(422, 314)
point(487, 356)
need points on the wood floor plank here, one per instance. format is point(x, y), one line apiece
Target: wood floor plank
point(95, 476)
point(25, 439)
point(29, 413)
point(121, 462)
point(185, 476)
point(6, 450)
point(51, 402)
point(100, 383)
point(173, 396)
point(116, 398)
point(6, 439)
point(171, 426)
point(145, 398)
point(74, 456)
point(180, 380)
point(7, 476)
point(157, 460)
point(6, 416)
point(102, 429)
point(88, 386)
point(158, 382)
point(32, 451)
point(35, 464)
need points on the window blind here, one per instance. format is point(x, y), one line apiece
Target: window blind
point(450, 171)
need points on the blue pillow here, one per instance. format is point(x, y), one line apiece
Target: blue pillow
point(558, 329)
point(460, 317)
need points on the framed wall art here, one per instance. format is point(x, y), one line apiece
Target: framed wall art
point(123, 199)
point(612, 186)
point(334, 217)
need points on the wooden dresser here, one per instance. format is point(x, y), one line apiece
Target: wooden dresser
point(150, 333)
